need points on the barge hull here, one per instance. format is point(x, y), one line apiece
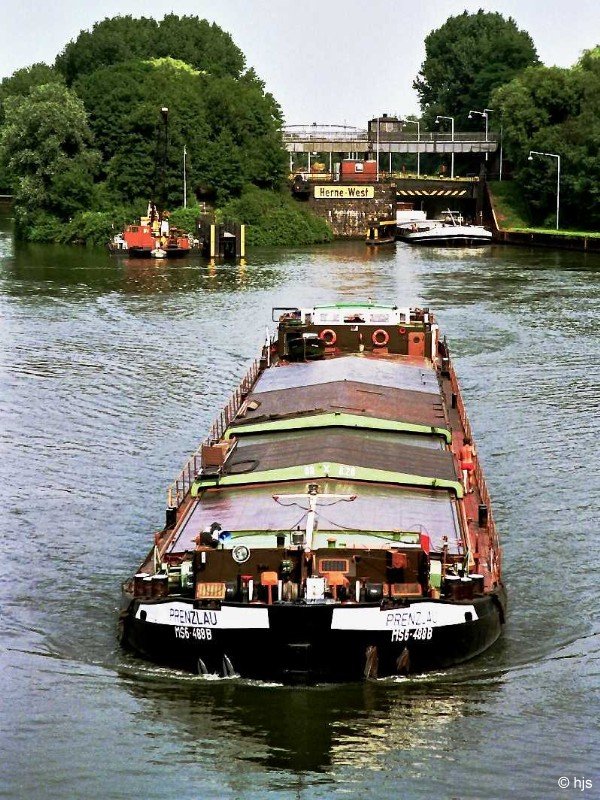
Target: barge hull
point(300, 645)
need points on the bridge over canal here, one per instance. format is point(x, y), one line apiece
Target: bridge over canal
point(383, 138)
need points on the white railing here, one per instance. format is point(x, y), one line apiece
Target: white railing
point(494, 542)
point(179, 489)
point(322, 135)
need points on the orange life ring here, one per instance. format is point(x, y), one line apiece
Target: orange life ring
point(328, 336)
point(380, 337)
point(401, 330)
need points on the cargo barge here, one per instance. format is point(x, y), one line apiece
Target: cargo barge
point(335, 524)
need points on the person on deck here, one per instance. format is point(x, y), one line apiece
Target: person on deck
point(467, 465)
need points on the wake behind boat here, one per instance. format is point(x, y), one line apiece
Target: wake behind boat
point(450, 231)
point(336, 524)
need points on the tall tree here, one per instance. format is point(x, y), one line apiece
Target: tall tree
point(24, 80)
point(555, 110)
point(196, 41)
point(466, 59)
point(230, 128)
point(45, 144)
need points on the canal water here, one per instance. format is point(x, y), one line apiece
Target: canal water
point(110, 373)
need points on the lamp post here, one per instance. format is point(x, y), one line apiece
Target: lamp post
point(437, 120)
point(184, 178)
point(485, 114)
point(377, 149)
point(165, 115)
point(418, 124)
point(533, 153)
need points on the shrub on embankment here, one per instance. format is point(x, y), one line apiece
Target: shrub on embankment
point(276, 219)
point(273, 219)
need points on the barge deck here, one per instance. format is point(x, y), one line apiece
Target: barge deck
point(326, 530)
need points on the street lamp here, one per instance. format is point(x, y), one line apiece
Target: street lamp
point(533, 153)
point(418, 124)
point(485, 114)
point(184, 177)
point(377, 151)
point(437, 120)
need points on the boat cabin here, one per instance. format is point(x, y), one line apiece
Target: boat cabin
point(330, 330)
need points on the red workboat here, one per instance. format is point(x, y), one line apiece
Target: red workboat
point(152, 237)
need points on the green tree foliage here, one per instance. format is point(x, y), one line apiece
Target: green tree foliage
point(22, 81)
point(466, 59)
point(230, 128)
point(557, 111)
point(276, 219)
point(45, 143)
point(199, 43)
point(78, 153)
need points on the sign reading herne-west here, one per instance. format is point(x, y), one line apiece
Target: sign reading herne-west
point(344, 192)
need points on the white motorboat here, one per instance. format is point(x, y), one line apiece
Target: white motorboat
point(450, 231)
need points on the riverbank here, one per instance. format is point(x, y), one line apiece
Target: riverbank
point(510, 223)
point(563, 240)
point(274, 219)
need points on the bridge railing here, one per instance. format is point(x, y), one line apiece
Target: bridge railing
point(366, 136)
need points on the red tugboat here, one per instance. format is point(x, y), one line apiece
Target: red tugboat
point(335, 525)
point(153, 237)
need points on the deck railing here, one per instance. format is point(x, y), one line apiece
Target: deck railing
point(182, 484)
point(478, 472)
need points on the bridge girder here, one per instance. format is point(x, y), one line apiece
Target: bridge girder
point(385, 147)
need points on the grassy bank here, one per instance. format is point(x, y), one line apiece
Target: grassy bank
point(509, 205)
point(553, 232)
point(512, 213)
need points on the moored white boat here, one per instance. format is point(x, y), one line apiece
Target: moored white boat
point(451, 231)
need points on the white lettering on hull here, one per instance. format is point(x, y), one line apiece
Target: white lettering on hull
point(177, 614)
point(350, 618)
point(426, 615)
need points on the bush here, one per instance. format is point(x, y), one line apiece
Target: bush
point(94, 228)
point(37, 226)
point(90, 228)
point(185, 218)
point(275, 219)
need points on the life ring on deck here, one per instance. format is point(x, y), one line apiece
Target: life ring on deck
point(380, 337)
point(328, 336)
point(401, 330)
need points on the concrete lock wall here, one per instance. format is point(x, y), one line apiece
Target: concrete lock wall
point(349, 215)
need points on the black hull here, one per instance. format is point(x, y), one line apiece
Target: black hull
point(300, 646)
point(177, 253)
point(138, 252)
